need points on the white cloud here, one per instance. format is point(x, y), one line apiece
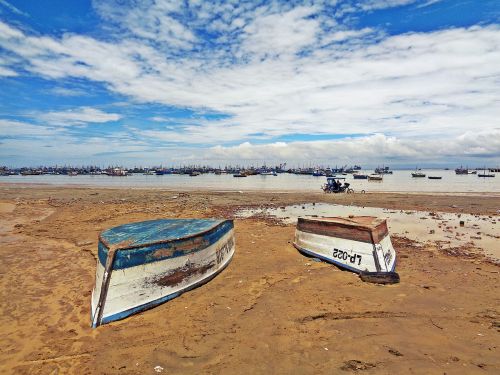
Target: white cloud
point(64, 91)
point(382, 4)
point(79, 116)
point(428, 3)
point(9, 128)
point(6, 72)
point(12, 8)
point(281, 33)
point(485, 144)
point(343, 35)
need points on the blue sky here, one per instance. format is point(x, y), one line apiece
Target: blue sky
point(104, 82)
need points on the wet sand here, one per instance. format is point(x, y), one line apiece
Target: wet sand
point(271, 311)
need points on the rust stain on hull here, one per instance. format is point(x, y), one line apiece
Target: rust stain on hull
point(178, 275)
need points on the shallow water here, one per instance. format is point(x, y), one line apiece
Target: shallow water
point(482, 232)
point(400, 181)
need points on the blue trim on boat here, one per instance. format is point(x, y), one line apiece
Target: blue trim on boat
point(341, 265)
point(395, 261)
point(147, 253)
point(123, 314)
point(143, 233)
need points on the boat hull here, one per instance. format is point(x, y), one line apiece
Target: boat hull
point(348, 254)
point(354, 248)
point(135, 283)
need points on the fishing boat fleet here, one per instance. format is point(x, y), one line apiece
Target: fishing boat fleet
point(237, 171)
point(144, 264)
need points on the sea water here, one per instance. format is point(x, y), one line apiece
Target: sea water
point(479, 231)
point(399, 181)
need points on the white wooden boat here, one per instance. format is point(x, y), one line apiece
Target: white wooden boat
point(360, 244)
point(375, 177)
point(141, 265)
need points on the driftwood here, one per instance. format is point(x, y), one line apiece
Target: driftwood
point(380, 277)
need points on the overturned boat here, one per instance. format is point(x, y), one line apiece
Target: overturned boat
point(144, 264)
point(360, 244)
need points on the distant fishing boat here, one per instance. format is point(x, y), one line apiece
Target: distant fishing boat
point(161, 172)
point(484, 174)
point(461, 170)
point(359, 244)
point(141, 265)
point(382, 170)
point(31, 172)
point(194, 173)
point(417, 173)
point(120, 172)
point(360, 176)
point(240, 174)
point(318, 173)
point(434, 177)
point(375, 177)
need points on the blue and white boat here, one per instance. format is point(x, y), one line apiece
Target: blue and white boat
point(141, 265)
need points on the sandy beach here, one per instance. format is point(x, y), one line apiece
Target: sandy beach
point(272, 311)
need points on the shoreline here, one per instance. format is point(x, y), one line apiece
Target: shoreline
point(36, 185)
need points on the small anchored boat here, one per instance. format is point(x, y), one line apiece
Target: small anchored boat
point(360, 244)
point(484, 174)
point(375, 177)
point(141, 265)
point(360, 176)
point(418, 173)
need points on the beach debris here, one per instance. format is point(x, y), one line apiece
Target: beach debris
point(434, 324)
point(356, 365)
point(395, 352)
point(158, 369)
point(380, 277)
point(144, 264)
point(496, 325)
point(84, 243)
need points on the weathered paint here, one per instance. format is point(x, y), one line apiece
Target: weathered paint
point(170, 264)
point(356, 253)
point(360, 228)
point(191, 238)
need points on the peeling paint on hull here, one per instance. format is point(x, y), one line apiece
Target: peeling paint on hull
point(170, 267)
